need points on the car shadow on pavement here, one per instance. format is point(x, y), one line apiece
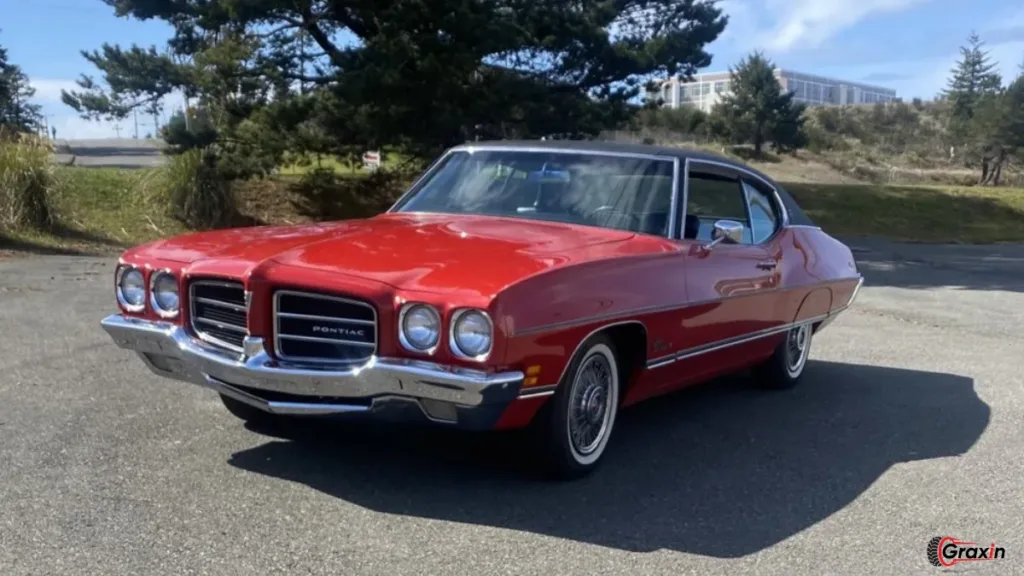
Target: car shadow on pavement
point(721, 470)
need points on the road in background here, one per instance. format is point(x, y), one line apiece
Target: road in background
point(111, 152)
point(907, 426)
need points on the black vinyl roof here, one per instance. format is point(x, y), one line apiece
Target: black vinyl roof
point(797, 217)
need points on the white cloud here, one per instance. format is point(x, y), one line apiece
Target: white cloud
point(782, 25)
point(809, 23)
point(48, 90)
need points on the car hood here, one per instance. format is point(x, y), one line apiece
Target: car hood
point(424, 252)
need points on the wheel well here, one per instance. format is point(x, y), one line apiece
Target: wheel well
point(630, 340)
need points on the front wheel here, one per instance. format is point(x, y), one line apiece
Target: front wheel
point(576, 424)
point(786, 365)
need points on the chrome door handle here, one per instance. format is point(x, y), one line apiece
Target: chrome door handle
point(767, 265)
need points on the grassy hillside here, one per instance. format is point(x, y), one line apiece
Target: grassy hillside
point(101, 210)
point(894, 143)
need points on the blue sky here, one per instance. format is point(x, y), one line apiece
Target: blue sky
point(909, 45)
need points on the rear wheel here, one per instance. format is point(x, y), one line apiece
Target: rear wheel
point(786, 365)
point(574, 429)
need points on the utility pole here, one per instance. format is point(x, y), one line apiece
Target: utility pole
point(117, 129)
point(135, 116)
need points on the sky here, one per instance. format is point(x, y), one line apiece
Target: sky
point(908, 45)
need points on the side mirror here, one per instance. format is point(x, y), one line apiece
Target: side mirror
point(727, 231)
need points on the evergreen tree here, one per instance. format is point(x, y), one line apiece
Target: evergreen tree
point(17, 113)
point(343, 77)
point(756, 110)
point(972, 79)
point(1003, 132)
point(789, 133)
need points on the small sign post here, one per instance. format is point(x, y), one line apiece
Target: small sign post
point(371, 160)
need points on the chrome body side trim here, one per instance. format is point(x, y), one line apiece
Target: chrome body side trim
point(728, 342)
point(182, 357)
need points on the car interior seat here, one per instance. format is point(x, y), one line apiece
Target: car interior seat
point(691, 228)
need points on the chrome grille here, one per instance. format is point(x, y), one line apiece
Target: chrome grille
point(218, 312)
point(318, 328)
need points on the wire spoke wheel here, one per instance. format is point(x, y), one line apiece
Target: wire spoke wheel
point(798, 346)
point(589, 405)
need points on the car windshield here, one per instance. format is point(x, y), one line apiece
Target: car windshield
point(611, 191)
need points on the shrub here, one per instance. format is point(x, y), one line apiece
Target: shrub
point(27, 182)
point(820, 139)
point(323, 194)
point(200, 195)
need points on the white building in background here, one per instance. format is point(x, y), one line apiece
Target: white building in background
point(705, 90)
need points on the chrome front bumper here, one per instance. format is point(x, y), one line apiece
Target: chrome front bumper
point(443, 393)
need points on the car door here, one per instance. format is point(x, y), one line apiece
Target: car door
point(730, 284)
point(797, 293)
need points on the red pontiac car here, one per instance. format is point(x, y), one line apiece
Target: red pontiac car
point(516, 284)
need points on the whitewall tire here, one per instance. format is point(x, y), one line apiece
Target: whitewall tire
point(785, 367)
point(577, 422)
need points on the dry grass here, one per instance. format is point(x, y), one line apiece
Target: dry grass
point(27, 182)
point(105, 210)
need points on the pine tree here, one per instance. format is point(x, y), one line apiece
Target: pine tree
point(973, 78)
point(1007, 140)
point(16, 111)
point(756, 110)
point(789, 133)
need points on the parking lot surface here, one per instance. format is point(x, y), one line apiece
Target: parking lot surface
point(907, 425)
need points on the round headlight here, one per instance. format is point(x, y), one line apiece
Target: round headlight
point(421, 327)
point(164, 287)
point(472, 333)
point(131, 289)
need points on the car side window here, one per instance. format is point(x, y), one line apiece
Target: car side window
point(764, 216)
point(713, 197)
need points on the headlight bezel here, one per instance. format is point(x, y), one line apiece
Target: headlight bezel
point(154, 302)
point(453, 341)
point(403, 337)
point(122, 301)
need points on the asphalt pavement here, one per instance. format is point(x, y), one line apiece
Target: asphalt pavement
point(907, 426)
point(111, 152)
